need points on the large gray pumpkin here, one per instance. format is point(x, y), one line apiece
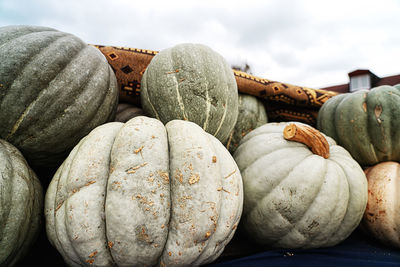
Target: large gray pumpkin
point(21, 203)
point(191, 82)
point(139, 193)
point(54, 89)
point(294, 198)
point(252, 114)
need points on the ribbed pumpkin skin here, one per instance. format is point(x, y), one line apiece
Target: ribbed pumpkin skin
point(21, 203)
point(191, 82)
point(139, 193)
point(366, 123)
point(252, 114)
point(382, 216)
point(54, 90)
point(294, 198)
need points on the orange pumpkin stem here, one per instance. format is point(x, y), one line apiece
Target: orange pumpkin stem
point(309, 136)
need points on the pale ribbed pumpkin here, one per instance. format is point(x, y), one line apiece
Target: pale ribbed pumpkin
point(366, 123)
point(54, 89)
point(294, 198)
point(139, 193)
point(252, 114)
point(191, 82)
point(382, 215)
point(21, 203)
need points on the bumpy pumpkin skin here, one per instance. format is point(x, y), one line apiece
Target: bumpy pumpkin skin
point(252, 114)
point(382, 217)
point(294, 198)
point(140, 193)
point(54, 90)
point(365, 123)
point(191, 82)
point(21, 205)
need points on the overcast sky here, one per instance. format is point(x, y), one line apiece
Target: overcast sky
point(309, 43)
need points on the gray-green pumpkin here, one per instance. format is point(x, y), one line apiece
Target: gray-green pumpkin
point(191, 82)
point(294, 198)
point(366, 123)
point(142, 193)
point(54, 89)
point(252, 114)
point(21, 204)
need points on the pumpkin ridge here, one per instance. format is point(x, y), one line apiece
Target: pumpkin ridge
point(9, 188)
point(22, 34)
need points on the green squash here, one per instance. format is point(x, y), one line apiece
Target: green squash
point(366, 123)
point(294, 198)
point(21, 203)
point(142, 193)
point(252, 114)
point(54, 90)
point(191, 82)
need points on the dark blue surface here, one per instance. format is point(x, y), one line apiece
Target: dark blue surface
point(357, 250)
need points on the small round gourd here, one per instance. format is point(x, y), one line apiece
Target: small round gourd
point(366, 123)
point(21, 205)
point(252, 114)
point(54, 90)
point(126, 111)
point(142, 193)
point(191, 82)
point(382, 217)
point(301, 190)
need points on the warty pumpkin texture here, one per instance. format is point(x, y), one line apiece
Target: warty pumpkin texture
point(382, 215)
point(21, 205)
point(294, 198)
point(366, 123)
point(142, 193)
point(191, 82)
point(54, 90)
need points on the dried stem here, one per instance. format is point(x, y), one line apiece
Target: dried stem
point(308, 136)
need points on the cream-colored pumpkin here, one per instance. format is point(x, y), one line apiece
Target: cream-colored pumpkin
point(382, 215)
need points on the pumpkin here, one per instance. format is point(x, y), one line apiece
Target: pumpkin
point(252, 114)
point(382, 217)
point(142, 193)
point(365, 123)
point(191, 82)
point(21, 205)
point(54, 90)
point(126, 111)
point(301, 190)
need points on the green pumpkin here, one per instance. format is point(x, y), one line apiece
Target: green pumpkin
point(294, 198)
point(366, 123)
point(142, 193)
point(191, 82)
point(21, 203)
point(54, 90)
point(252, 114)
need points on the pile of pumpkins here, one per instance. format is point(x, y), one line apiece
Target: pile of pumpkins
point(169, 182)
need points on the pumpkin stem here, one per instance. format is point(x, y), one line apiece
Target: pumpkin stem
point(309, 136)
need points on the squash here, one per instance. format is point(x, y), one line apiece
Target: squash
point(21, 205)
point(142, 193)
point(382, 217)
point(126, 111)
point(252, 114)
point(54, 90)
point(301, 190)
point(365, 123)
point(191, 82)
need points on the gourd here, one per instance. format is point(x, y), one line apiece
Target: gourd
point(126, 111)
point(301, 190)
point(20, 206)
point(54, 90)
point(191, 82)
point(142, 193)
point(252, 114)
point(382, 217)
point(365, 123)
